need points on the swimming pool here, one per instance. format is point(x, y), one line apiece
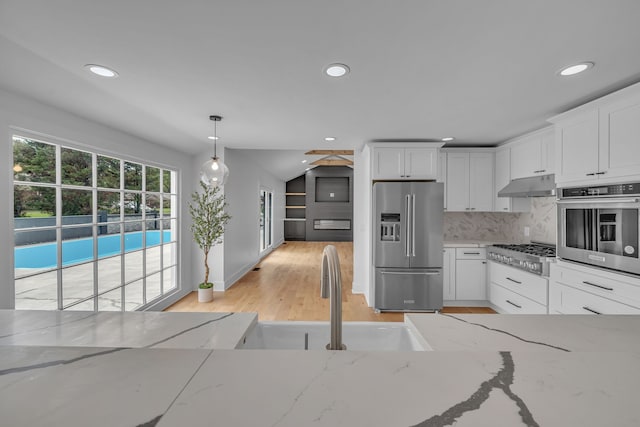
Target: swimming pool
point(80, 250)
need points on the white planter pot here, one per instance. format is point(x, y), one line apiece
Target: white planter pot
point(205, 295)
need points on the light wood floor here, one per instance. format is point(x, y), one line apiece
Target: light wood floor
point(287, 287)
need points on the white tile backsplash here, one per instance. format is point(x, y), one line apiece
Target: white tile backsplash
point(504, 227)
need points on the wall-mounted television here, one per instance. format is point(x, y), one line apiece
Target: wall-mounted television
point(332, 189)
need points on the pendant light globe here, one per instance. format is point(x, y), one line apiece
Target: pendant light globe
point(214, 172)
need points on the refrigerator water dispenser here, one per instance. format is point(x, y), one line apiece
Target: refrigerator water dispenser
point(390, 227)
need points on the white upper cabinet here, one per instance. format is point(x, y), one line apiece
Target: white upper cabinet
point(600, 141)
point(481, 182)
point(469, 181)
point(502, 177)
point(533, 154)
point(577, 147)
point(408, 163)
point(620, 138)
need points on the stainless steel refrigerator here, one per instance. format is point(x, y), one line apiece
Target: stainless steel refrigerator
point(408, 245)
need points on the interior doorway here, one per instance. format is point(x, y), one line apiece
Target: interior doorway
point(266, 215)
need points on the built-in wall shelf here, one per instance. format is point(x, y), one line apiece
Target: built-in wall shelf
point(295, 204)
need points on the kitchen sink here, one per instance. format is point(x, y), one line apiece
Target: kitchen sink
point(357, 336)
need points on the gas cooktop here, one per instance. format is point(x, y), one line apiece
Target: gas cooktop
point(537, 249)
point(532, 257)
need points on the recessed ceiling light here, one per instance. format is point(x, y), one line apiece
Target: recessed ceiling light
point(101, 70)
point(447, 138)
point(330, 138)
point(336, 70)
point(213, 137)
point(575, 69)
point(304, 161)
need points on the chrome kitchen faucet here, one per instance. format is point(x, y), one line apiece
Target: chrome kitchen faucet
point(331, 286)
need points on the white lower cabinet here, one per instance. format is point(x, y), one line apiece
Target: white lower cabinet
point(576, 289)
point(449, 274)
point(513, 303)
point(471, 274)
point(464, 274)
point(516, 291)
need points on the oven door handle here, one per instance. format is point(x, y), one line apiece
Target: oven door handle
point(594, 201)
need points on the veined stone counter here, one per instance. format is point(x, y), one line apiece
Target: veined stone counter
point(580, 379)
point(130, 329)
point(467, 243)
point(528, 332)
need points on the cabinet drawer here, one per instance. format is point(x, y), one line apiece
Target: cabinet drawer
point(471, 253)
point(526, 284)
point(569, 300)
point(512, 302)
point(589, 280)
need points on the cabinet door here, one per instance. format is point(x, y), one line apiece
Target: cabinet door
point(525, 158)
point(548, 152)
point(481, 182)
point(502, 177)
point(620, 139)
point(568, 300)
point(577, 148)
point(449, 274)
point(442, 174)
point(388, 163)
point(457, 182)
point(421, 163)
point(471, 279)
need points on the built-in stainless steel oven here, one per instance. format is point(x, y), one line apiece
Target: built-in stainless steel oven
point(600, 226)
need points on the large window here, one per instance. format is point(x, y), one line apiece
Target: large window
point(92, 232)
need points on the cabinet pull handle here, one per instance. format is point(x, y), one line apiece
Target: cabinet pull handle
point(600, 173)
point(513, 304)
point(539, 171)
point(514, 281)
point(591, 174)
point(591, 310)
point(471, 253)
point(505, 209)
point(597, 286)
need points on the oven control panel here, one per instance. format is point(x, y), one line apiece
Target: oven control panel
point(603, 190)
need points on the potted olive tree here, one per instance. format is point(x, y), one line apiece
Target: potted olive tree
point(209, 218)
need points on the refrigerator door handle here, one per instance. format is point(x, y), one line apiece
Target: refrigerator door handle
point(412, 273)
point(407, 247)
point(413, 225)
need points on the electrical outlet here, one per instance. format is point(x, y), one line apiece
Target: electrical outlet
point(526, 231)
point(332, 194)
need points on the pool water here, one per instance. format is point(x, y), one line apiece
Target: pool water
point(80, 250)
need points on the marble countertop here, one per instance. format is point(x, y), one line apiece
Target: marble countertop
point(131, 329)
point(498, 370)
point(467, 243)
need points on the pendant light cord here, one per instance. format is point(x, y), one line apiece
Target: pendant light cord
point(215, 139)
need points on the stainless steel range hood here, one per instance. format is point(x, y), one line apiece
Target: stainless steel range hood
point(534, 186)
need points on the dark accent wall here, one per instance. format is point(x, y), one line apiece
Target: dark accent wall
point(342, 189)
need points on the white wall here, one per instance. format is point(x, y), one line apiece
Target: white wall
point(30, 118)
point(242, 192)
point(362, 254)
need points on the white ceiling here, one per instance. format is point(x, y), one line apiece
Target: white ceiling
point(482, 71)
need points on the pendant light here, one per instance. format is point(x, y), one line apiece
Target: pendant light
point(213, 172)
